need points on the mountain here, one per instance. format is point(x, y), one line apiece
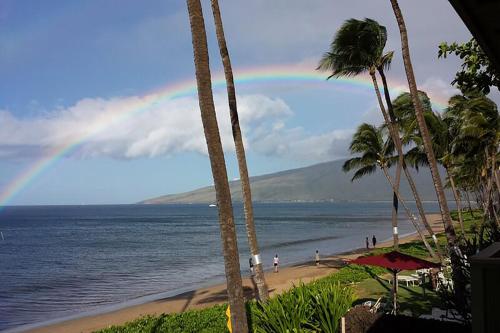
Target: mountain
point(319, 182)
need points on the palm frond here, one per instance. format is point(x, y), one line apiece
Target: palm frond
point(386, 60)
point(356, 47)
point(416, 158)
point(352, 163)
point(369, 169)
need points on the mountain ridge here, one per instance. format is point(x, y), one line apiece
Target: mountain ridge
point(320, 182)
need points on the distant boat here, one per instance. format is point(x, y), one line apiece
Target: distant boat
point(212, 205)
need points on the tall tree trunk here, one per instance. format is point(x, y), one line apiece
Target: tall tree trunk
point(410, 215)
point(494, 170)
point(479, 199)
point(420, 208)
point(218, 164)
point(240, 154)
point(395, 234)
point(401, 162)
point(489, 210)
point(456, 195)
point(455, 253)
point(424, 131)
point(469, 203)
point(495, 214)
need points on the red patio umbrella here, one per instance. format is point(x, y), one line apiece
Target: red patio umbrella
point(395, 262)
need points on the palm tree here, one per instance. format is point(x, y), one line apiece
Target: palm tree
point(377, 153)
point(240, 154)
point(455, 255)
point(476, 136)
point(218, 164)
point(441, 131)
point(358, 46)
point(400, 113)
point(442, 143)
point(424, 132)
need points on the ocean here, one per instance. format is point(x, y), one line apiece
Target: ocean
point(59, 262)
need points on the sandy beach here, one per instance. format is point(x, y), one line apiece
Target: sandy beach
point(205, 297)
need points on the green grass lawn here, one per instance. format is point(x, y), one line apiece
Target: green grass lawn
point(410, 299)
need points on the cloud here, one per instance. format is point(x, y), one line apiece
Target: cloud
point(373, 115)
point(297, 144)
point(117, 128)
point(438, 90)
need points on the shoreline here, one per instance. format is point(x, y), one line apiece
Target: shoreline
point(210, 292)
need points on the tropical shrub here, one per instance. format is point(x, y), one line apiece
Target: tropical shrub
point(316, 307)
point(291, 311)
point(330, 303)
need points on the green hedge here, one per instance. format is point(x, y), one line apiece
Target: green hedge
point(209, 320)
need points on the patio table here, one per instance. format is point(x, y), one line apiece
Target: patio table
point(408, 280)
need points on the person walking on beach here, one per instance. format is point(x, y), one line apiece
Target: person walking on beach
point(367, 244)
point(250, 263)
point(374, 241)
point(276, 263)
point(317, 258)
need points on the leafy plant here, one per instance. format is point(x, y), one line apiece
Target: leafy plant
point(316, 307)
point(331, 302)
point(477, 72)
point(291, 311)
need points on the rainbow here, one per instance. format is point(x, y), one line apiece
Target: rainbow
point(277, 74)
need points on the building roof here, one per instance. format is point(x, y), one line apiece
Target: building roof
point(482, 19)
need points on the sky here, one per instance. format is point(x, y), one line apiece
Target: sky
point(97, 104)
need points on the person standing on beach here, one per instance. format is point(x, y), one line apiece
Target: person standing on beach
point(250, 263)
point(276, 263)
point(367, 244)
point(317, 258)
point(374, 241)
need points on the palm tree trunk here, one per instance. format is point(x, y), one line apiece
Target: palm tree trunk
point(489, 210)
point(469, 203)
point(401, 161)
point(395, 234)
point(443, 204)
point(455, 254)
point(218, 164)
point(495, 214)
point(410, 215)
point(457, 200)
point(494, 170)
point(420, 208)
point(479, 198)
point(240, 154)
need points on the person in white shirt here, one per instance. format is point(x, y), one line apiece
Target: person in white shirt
point(276, 263)
point(317, 258)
